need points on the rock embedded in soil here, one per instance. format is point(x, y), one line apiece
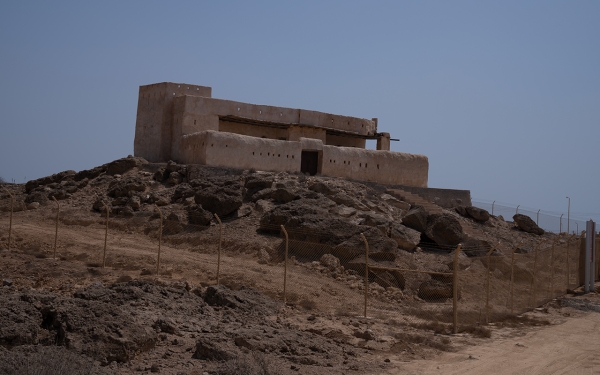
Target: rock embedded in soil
point(406, 238)
point(444, 229)
point(526, 224)
point(220, 200)
point(416, 219)
point(477, 213)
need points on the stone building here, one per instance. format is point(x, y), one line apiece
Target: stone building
point(183, 123)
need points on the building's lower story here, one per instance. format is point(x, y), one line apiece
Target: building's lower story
point(307, 155)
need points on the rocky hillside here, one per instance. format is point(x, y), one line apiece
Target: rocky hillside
point(137, 323)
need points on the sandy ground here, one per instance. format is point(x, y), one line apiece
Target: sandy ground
point(571, 347)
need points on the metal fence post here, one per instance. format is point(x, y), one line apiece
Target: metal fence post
point(56, 231)
point(552, 266)
point(512, 277)
point(366, 271)
point(455, 290)
point(534, 270)
point(285, 261)
point(12, 202)
point(487, 298)
point(219, 249)
point(105, 236)
point(569, 261)
point(159, 239)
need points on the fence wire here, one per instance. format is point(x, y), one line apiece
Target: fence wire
point(549, 221)
point(448, 289)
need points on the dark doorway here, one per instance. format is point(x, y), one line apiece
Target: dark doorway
point(309, 162)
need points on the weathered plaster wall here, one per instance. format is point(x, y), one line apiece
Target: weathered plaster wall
point(242, 152)
point(221, 107)
point(253, 130)
point(153, 130)
point(181, 122)
point(378, 166)
point(336, 140)
point(294, 133)
point(245, 152)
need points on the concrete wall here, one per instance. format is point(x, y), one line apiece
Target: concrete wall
point(294, 133)
point(242, 152)
point(253, 130)
point(336, 140)
point(378, 166)
point(209, 106)
point(153, 128)
point(230, 150)
point(181, 122)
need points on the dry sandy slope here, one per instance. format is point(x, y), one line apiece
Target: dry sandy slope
point(572, 347)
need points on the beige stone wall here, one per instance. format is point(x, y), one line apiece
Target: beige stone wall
point(253, 130)
point(181, 122)
point(242, 152)
point(294, 133)
point(336, 140)
point(153, 129)
point(221, 107)
point(385, 167)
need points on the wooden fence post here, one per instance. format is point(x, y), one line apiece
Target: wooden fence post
point(105, 236)
point(285, 262)
point(12, 202)
point(366, 271)
point(219, 249)
point(159, 239)
point(56, 231)
point(512, 277)
point(455, 290)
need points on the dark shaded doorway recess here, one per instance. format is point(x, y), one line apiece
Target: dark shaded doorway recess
point(309, 162)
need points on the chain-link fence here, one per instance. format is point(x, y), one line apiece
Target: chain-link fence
point(549, 221)
point(442, 288)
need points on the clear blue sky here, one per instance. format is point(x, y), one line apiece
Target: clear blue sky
point(502, 96)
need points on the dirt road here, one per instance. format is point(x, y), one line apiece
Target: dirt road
point(572, 347)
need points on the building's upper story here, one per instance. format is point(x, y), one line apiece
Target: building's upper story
point(167, 111)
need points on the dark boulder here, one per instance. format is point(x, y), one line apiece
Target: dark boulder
point(37, 196)
point(160, 175)
point(182, 191)
point(123, 165)
point(283, 195)
point(406, 238)
point(220, 200)
point(198, 216)
point(461, 210)
point(373, 219)
point(416, 219)
point(122, 188)
point(175, 178)
point(89, 174)
point(59, 194)
point(98, 206)
point(526, 224)
point(477, 213)
point(321, 187)
point(258, 182)
point(444, 229)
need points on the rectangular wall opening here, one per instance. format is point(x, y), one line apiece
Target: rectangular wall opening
point(309, 162)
